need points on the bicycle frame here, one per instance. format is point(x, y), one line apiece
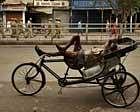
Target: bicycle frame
point(71, 80)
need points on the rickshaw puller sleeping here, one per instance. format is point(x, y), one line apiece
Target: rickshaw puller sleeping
point(95, 54)
point(110, 45)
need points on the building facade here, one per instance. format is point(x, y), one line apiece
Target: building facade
point(69, 11)
point(13, 10)
point(42, 10)
point(91, 11)
point(1, 13)
point(39, 10)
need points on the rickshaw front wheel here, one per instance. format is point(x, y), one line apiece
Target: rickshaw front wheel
point(28, 79)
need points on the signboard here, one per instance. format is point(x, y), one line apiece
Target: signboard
point(45, 10)
point(52, 3)
point(14, 8)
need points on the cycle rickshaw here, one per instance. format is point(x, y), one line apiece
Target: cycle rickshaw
point(116, 83)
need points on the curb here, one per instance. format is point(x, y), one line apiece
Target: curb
point(47, 42)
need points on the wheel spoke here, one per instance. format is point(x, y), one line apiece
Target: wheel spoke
point(21, 75)
point(123, 98)
point(32, 87)
point(36, 80)
point(127, 86)
point(111, 92)
point(126, 89)
point(27, 79)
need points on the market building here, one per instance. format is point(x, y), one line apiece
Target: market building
point(12, 10)
point(91, 11)
point(41, 10)
point(69, 11)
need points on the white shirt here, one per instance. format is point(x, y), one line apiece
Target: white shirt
point(8, 24)
point(79, 24)
point(29, 23)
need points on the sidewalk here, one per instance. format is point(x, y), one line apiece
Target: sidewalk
point(91, 38)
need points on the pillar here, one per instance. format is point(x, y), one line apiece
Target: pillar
point(4, 19)
point(131, 22)
point(23, 18)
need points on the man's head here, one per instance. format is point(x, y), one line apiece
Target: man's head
point(57, 19)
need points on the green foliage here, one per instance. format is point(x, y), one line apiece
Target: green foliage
point(125, 8)
point(129, 4)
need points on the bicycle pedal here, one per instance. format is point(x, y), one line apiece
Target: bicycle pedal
point(60, 91)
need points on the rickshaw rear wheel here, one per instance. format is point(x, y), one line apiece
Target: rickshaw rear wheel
point(118, 92)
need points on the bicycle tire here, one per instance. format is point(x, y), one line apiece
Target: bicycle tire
point(115, 92)
point(31, 80)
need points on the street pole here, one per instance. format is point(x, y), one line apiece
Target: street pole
point(33, 2)
point(102, 17)
point(131, 22)
point(87, 27)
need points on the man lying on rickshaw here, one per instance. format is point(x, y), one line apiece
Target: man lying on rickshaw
point(78, 57)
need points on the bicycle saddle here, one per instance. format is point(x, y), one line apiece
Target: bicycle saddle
point(72, 63)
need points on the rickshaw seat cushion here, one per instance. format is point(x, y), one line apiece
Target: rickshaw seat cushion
point(92, 60)
point(83, 60)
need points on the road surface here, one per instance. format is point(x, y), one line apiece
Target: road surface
point(48, 100)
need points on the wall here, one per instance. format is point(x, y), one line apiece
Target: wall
point(64, 15)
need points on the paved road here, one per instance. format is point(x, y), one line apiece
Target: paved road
point(72, 100)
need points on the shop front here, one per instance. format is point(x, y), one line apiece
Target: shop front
point(44, 10)
point(13, 10)
point(91, 12)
